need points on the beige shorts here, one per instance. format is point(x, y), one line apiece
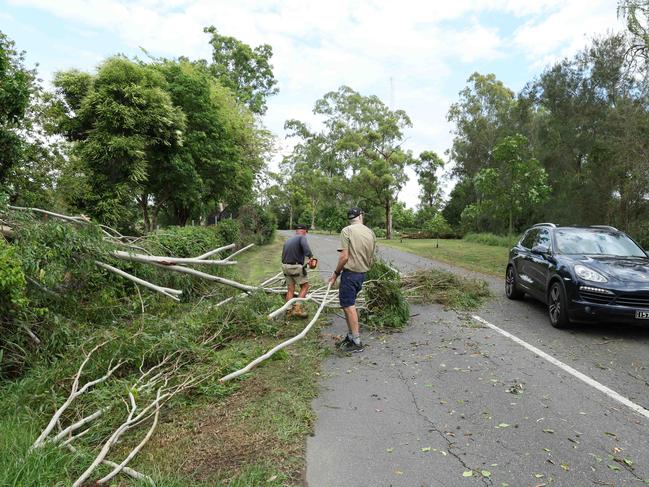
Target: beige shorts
point(293, 274)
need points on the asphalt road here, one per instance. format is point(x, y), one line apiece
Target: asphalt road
point(451, 402)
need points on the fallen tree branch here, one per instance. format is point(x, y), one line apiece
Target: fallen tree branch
point(284, 344)
point(75, 219)
point(128, 471)
point(157, 259)
point(267, 282)
point(135, 450)
point(240, 251)
point(220, 280)
point(74, 393)
point(216, 251)
point(169, 292)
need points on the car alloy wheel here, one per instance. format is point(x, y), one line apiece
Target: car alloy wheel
point(557, 306)
point(511, 289)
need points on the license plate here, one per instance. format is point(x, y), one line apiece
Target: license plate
point(642, 315)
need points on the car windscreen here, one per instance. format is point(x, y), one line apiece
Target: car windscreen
point(595, 242)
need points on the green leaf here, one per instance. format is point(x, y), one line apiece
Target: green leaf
point(485, 473)
point(467, 473)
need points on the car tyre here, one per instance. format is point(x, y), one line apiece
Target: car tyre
point(557, 306)
point(511, 286)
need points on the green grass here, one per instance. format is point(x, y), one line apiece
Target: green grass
point(487, 259)
point(256, 435)
point(260, 263)
point(247, 432)
point(492, 239)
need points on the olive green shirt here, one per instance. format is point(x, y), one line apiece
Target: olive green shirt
point(360, 242)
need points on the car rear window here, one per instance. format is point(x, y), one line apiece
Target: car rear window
point(595, 242)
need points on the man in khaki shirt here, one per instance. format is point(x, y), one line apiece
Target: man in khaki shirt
point(357, 247)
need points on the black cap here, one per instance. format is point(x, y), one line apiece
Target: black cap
point(300, 226)
point(354, 212)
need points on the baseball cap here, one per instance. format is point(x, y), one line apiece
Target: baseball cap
point(354, 212)
point(300, 226)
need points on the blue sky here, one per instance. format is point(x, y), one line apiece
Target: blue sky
point(425, 50)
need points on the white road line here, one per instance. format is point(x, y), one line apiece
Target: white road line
point(583, 377)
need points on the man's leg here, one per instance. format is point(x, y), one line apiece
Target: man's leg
point(304, 288)
point(290, 293)
point(351, 315)
point(299, 311)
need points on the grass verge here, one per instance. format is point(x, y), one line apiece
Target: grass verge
point(247, 432)
point(254, 436)
point(487, 259)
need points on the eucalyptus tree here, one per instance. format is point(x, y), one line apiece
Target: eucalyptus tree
point(243, 69)
point(16, 86)
point(636, 14)
point(427, 167)
point(365, 137)
point(482, 116)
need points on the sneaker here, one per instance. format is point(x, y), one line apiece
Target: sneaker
point(350, 346)
point(341, 343)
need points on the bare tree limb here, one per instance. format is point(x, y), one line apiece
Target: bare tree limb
point(215, 251)
point(265, 283)
point(238, 252)
point(169, 292)
point(156, 259)
point(284, 344)
point(220, 280)
point(74, 393)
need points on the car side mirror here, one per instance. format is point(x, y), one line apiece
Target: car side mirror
point(540, 250)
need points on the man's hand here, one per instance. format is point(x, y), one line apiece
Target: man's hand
point(333, 278)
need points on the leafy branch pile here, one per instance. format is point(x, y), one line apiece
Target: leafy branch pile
point(388, 293)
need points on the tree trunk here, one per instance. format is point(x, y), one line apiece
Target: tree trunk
point(388, 220)
point(290, 218)
point(154, 218)
point(511, 221)
point(312, 215)
point(181, 215)
point(144, 205)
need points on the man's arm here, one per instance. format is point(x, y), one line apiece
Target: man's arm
point(305, 247)
point(343, 257)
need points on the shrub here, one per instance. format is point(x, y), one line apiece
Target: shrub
point(257, 224)
point(229, 231)
point(187, 241)
point(379, 232)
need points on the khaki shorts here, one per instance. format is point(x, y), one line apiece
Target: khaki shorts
point(293, 274)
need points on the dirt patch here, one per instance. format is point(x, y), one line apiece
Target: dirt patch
point(215, 441)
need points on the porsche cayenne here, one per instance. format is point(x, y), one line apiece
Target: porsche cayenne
point(583, 274)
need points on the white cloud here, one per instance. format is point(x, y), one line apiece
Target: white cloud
point(319, 46)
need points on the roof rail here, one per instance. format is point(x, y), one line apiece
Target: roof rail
point(605, 227)
point(544, 225)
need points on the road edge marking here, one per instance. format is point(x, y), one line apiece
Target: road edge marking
point(579, 375)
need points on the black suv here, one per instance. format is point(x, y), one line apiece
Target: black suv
point(583, 274)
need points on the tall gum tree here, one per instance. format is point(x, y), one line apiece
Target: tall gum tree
point(365, 136)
